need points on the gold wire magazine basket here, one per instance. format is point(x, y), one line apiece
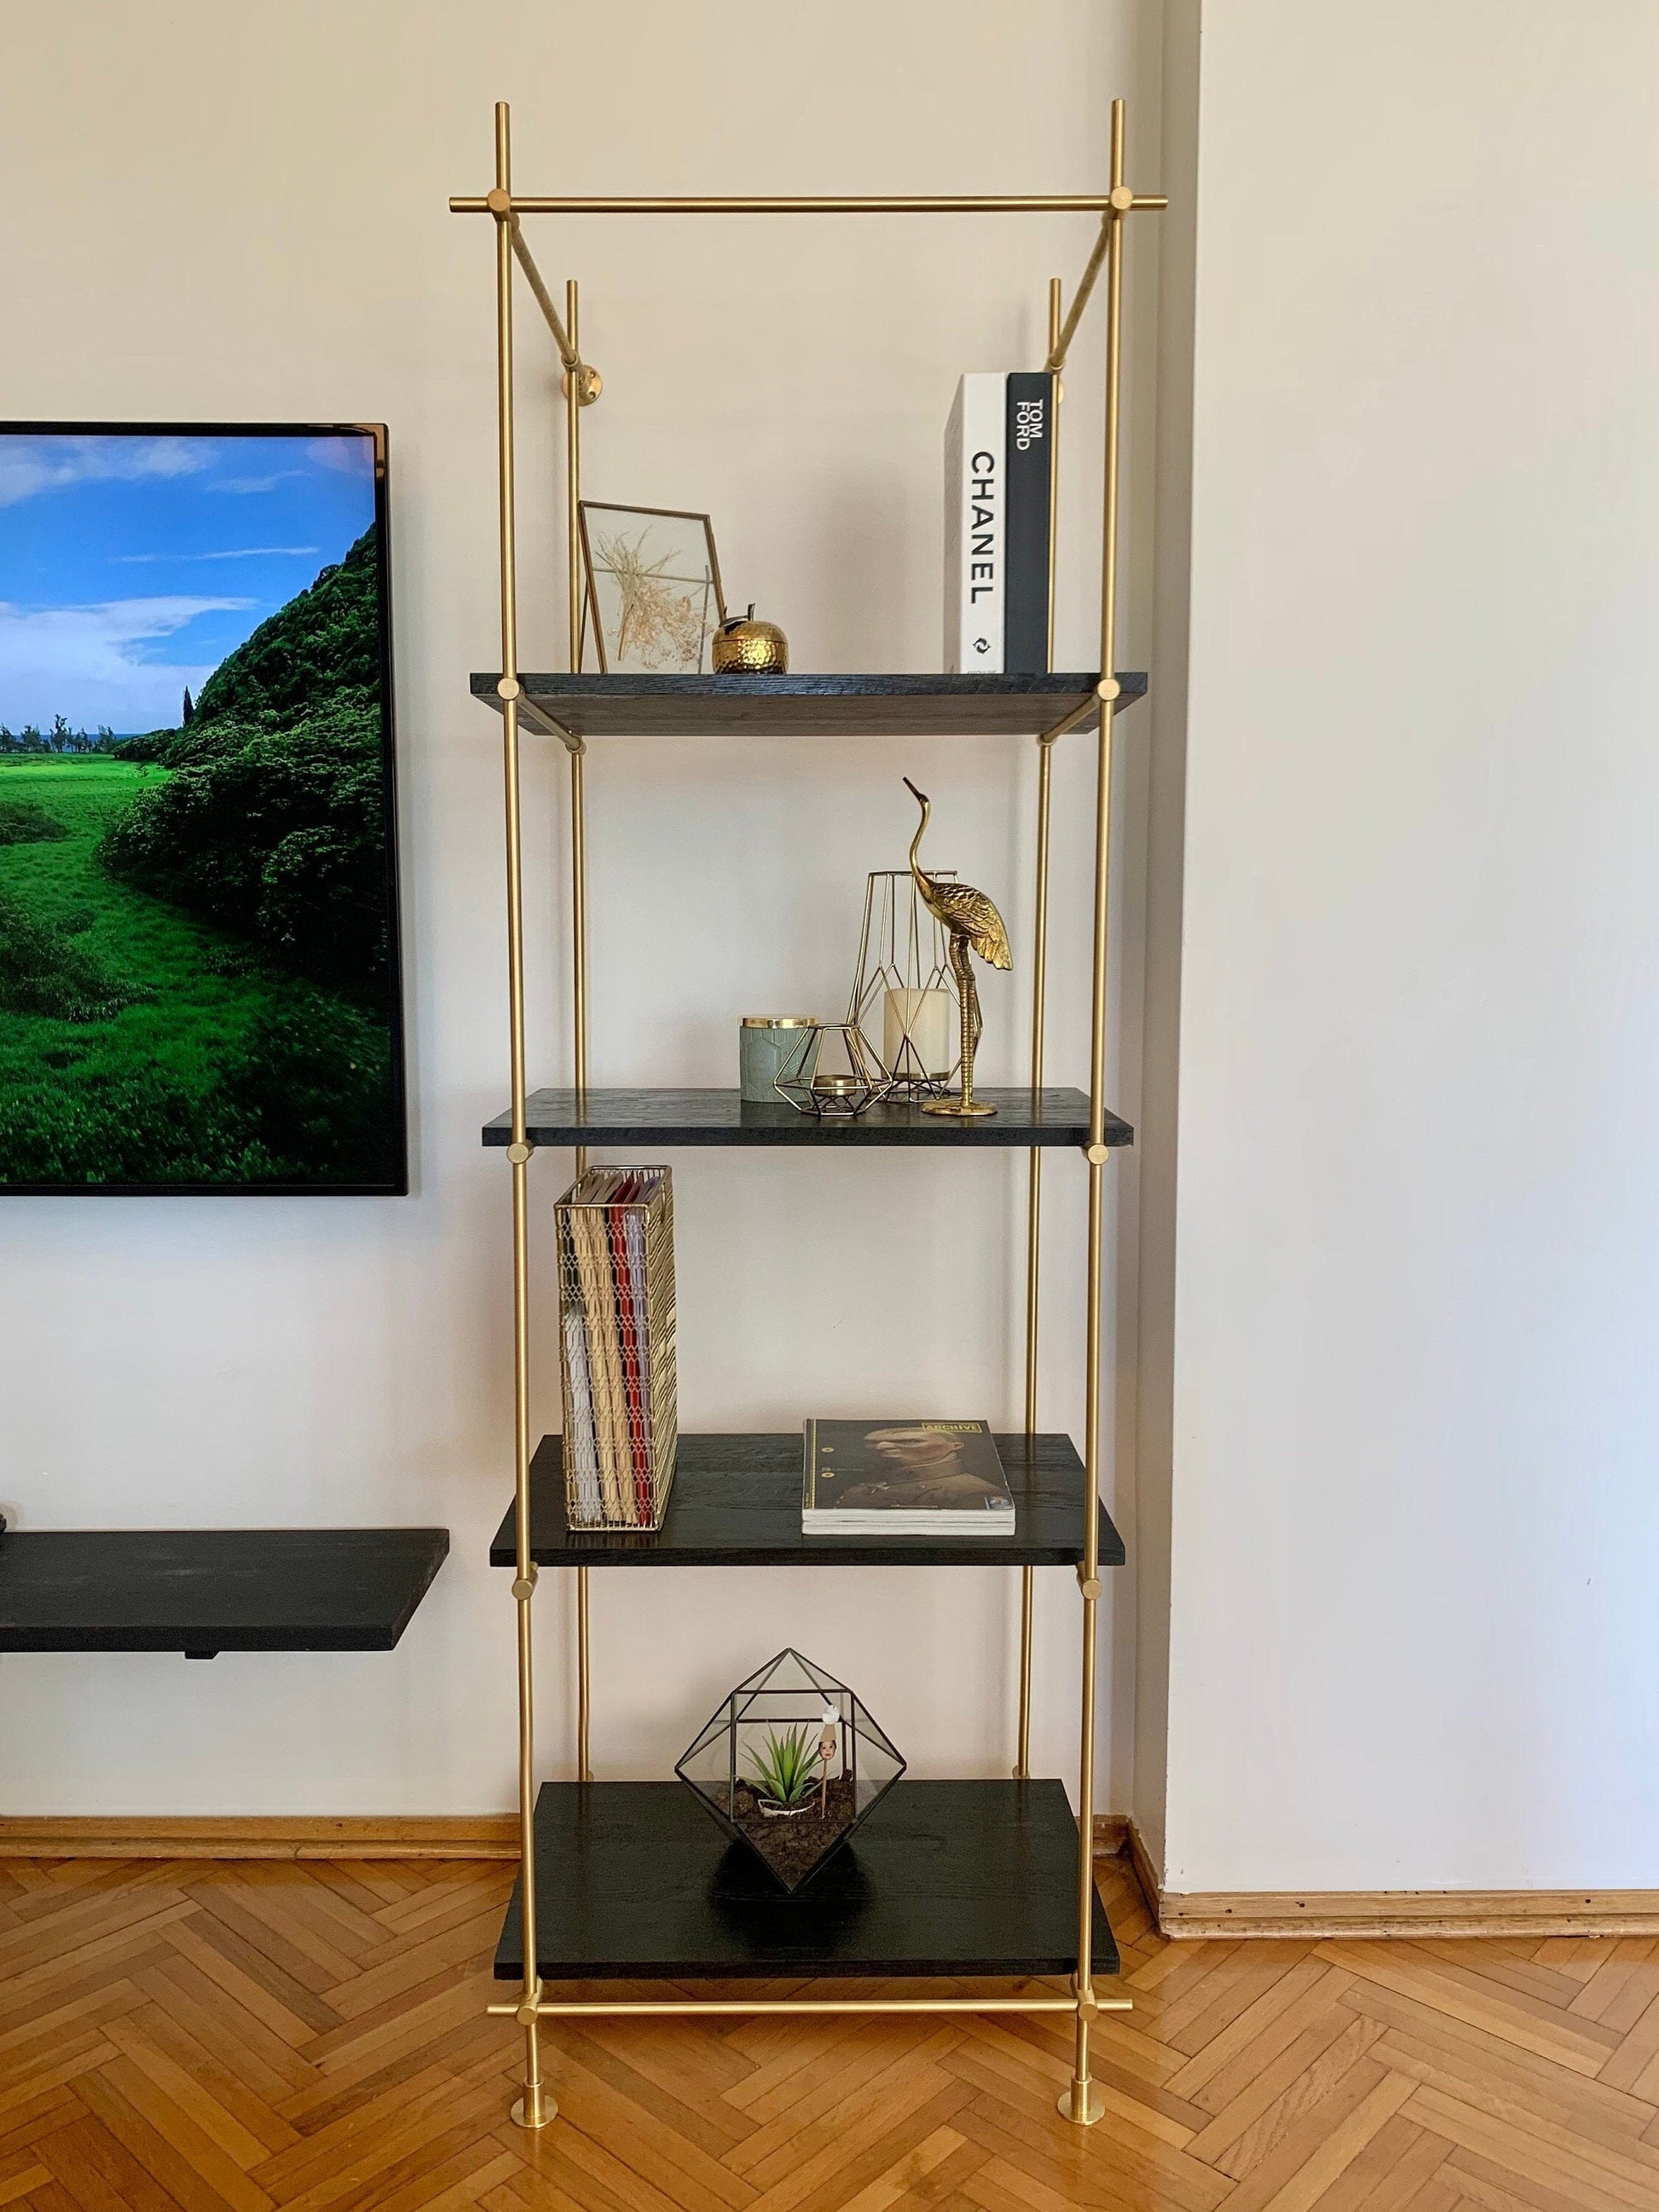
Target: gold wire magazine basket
point(615, 1238)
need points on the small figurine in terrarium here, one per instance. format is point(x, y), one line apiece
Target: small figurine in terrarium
point(790, 1765)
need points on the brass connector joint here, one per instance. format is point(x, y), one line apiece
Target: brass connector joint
point(499, 201)
point(1090, 1585)
point(518, 1154)
point(525, 1586)
point(589, 384)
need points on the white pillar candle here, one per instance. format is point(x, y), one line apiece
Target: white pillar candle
point(925, 1017)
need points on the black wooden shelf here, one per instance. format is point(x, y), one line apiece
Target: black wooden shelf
point(202, 1591)
point(812, 706)
point(736, 1503)
point(635, 1881)
point(663, 1118)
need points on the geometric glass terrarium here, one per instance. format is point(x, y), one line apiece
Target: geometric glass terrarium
point(790, 1764)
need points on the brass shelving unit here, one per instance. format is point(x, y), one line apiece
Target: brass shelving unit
point(539, 704)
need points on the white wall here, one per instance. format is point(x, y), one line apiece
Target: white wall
point(1416, 1524)
point(229, 210)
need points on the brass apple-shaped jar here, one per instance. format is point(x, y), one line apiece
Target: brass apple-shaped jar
point(745, 646)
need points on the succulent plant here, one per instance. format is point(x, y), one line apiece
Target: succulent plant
point(785, 1769)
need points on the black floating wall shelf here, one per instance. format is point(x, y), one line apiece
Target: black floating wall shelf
point(202, 1591)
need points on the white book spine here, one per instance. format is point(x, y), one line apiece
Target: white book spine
point(976, 526)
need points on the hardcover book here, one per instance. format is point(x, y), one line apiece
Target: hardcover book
point(903, 1479)
point(999, 498)
point(1028, 573)
point(974, 498)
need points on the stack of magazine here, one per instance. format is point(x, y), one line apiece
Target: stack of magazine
point(904, 1478)
point(615, 1237)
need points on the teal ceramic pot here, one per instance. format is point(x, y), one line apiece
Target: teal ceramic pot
point(764, 1042)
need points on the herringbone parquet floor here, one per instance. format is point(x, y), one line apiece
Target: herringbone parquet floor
point(186, 2036)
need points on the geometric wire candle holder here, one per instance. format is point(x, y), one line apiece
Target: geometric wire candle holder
point(833, 1073)
point(903, 991)
point(791, 1765)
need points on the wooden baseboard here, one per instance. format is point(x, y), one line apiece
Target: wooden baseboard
point(1193, 1916)
point(1111, 1834)
point(1409, 1912)
point(480, 1836)
point(1324, 1914)
point(1140, 1860)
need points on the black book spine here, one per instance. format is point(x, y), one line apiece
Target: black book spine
point(1030, 481)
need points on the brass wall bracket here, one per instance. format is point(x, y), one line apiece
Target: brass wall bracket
point(539, 718)
point(1079, 713)
point(589, 384)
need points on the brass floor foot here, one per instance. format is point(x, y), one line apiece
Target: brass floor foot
point(547, 2111)
point(1092, 2102)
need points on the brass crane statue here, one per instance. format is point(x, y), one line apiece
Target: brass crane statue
point(974, 925)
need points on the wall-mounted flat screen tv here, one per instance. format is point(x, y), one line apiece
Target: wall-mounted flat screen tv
point(199, 982)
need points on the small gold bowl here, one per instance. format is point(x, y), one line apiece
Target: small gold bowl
point(745, 646)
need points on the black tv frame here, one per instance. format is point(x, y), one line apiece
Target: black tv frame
point(398, 1185)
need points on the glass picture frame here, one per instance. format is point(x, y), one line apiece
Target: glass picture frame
point(652, 590)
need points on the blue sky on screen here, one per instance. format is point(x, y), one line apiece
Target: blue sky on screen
point(130, 565)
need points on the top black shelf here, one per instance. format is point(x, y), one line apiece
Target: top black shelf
point(812, 706)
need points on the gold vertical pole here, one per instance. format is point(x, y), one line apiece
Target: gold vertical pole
point(573, 478)
point(1039, 989)
point(535, 2109)
point(1082, 2102)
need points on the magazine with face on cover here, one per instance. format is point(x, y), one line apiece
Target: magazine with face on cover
point(904, 1478)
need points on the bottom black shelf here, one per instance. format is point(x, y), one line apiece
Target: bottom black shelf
point(634, 1879)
